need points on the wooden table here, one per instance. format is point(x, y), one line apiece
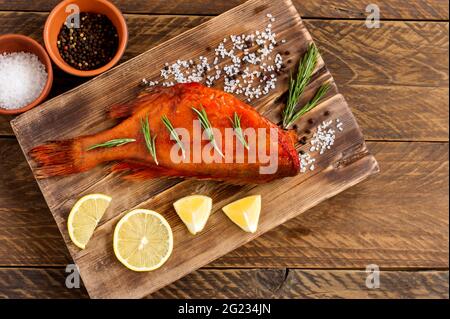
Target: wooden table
point(395, 78)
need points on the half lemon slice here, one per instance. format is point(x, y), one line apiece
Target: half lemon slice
point(194, 211)
point(84, 217)
point(143, 240)
point(245, 212)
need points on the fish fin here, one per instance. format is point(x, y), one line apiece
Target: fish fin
point(55, 159)
point(137, 171)
point(143, 98)
point(126, 109)
point(122, 110)
point(144, 93)
point(234, 182)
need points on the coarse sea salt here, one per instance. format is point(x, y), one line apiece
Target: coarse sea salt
point(244, 64)
point(322, 140)
point(306, 161)
point(22, 79)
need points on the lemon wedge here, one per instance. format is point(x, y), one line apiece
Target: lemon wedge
point(143, 240)
point(84, 217)
point(245, 212)
point(194, 211)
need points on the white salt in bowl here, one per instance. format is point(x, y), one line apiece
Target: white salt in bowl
point(10, 43)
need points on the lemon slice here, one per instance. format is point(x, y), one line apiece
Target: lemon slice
point(84, 217)
point(194, 211)
point(143, 240)
point(245, 212)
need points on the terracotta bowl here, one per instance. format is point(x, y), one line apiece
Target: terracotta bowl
point(59, 15)
point(10, 43)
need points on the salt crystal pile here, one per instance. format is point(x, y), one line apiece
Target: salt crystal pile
point(339, 125)
point(306, 161)
point(323, 138)
point(245, 62)
point(321, 141)
point(22, 79)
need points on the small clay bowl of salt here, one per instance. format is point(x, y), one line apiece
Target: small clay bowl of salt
point(26, 73)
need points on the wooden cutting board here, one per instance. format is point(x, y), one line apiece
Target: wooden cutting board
point(82, 111)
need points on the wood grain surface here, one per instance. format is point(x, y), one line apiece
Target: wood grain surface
point(246, 283)
point(348, 163)
point(389, 9)
point(413, 96)
point(404, 228)
point(399, 231)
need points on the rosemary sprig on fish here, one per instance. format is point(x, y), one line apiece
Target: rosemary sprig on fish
point(174, 134)
point(236, 122)
point(149, 140)
point(112, 143)
point(204, 121)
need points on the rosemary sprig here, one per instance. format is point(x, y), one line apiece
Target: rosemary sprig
point(311, 104)
point(174, 134)
point(204, 121)
point(149, 140)
point(236, 122)
point(112, 143)
point(297, 86)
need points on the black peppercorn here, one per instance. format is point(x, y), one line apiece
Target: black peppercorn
point(90, 46)
point(303, 140)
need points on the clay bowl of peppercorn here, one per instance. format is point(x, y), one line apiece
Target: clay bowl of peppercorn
point(85, 37)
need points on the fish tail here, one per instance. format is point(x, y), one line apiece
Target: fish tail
point(55, 158)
